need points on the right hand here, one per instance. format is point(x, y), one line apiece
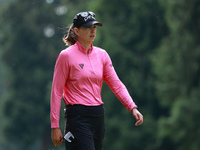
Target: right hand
point(56, 136)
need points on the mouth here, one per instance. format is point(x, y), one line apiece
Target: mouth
point(92, 36)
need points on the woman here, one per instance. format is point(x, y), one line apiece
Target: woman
point(78, 77)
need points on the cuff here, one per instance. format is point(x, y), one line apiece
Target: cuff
point(54, 125)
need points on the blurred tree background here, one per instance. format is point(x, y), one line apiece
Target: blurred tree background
point(155, 49)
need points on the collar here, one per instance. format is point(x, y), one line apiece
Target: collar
point(84, 49)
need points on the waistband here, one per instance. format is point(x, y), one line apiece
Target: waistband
point(83, 110)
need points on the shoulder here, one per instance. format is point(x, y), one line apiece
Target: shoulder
point(103, 54)
point(65, 54)
point(68, 50)
point(100, 50)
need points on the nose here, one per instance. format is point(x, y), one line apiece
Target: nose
point(93, 29)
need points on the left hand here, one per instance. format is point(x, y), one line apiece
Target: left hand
point(138, 116)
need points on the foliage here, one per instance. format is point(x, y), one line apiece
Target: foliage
point(155, 51)
point(29, 55)
point(177, 68)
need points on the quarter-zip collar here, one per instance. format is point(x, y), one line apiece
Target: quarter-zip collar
point(84, 49)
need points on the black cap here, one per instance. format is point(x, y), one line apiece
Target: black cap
point(85, 19)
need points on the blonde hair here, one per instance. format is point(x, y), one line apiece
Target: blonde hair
point(71, 37)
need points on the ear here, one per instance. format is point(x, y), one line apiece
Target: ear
point(76, 31)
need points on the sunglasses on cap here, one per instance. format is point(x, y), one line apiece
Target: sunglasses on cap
point(86, 14)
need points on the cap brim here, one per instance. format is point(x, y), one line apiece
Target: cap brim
point(89, 24)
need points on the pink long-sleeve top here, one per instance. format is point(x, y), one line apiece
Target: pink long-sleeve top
point(78, 78)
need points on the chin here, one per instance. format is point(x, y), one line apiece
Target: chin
point(91, 41)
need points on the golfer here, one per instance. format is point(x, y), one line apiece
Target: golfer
point(79, 73)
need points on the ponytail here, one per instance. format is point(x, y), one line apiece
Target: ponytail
point(71, 37)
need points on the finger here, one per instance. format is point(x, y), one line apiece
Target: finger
point(57, 142)
point(54, 142)
point(61, 141)
point(139, 121)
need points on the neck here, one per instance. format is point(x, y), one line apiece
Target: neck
point(86, 45)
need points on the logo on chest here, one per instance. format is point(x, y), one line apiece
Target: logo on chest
point(81, 65)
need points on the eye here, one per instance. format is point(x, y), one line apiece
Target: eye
point(93, 26)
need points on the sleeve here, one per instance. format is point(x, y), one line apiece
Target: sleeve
point(61, 71)
point(118, 88)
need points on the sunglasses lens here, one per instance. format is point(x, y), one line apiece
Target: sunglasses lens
point(91, 13)
point(84, 14)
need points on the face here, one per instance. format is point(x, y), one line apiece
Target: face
point(86, 35)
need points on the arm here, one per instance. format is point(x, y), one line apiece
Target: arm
point(59, 80)
point(119, 89)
